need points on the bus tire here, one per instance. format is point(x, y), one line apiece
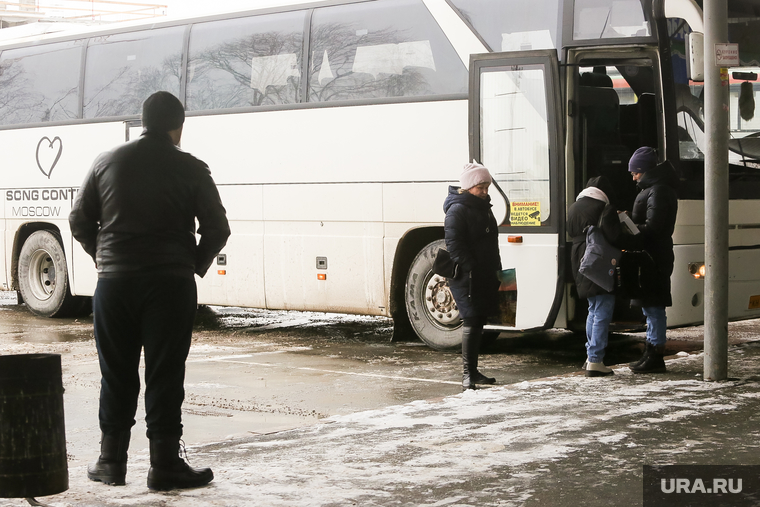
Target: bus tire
point(43, 278)
point(429, 303)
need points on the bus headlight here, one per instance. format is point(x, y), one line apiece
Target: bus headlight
point(697, 270)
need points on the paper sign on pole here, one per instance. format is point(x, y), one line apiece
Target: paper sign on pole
point(726, 55)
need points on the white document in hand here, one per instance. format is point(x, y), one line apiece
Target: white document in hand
point(625, 219)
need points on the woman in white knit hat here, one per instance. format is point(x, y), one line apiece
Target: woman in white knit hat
point(472, 239)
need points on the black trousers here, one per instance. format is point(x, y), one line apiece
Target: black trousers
point(154, 313)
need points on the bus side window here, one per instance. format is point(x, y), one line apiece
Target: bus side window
point(375, 50)
point(123, 70)
point(513, 25)
point(40, 84)
point(245, 62)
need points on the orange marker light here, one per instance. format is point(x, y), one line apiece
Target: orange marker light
point(321, 276)
point(514, 239)
point(221, 272)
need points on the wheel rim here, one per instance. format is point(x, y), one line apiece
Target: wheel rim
point(440, 306)
point(41, 275)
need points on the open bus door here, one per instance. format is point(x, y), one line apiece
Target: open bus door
point(515, 125)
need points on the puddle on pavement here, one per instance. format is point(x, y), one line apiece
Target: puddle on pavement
point(250, 319)
point(17, 320)
point(55, 337)
point(204, 427)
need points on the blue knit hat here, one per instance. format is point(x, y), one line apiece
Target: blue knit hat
point(642, 160)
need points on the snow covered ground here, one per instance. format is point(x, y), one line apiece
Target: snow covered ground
point(558, 441)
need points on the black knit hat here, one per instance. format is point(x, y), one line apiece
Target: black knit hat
point(162, 112)
point(603, 184)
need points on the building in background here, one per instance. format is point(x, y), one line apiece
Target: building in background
point(55, 15)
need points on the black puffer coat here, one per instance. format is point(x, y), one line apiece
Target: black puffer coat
point(582, 213)
point(472, 239)
point(654, 212)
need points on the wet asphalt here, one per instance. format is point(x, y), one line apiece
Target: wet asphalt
point(260, 380)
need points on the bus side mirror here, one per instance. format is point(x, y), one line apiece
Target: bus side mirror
point(695, 59)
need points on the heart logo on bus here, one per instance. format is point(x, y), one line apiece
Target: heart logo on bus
point(48, 153)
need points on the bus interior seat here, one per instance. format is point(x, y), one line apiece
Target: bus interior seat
point(647, 111)
point(600, 109)
point(596, 79)
point(605, 152)
point(638, 122)
point(629, 126)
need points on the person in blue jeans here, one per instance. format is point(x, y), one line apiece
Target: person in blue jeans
point(592, 207)
point(654, 212)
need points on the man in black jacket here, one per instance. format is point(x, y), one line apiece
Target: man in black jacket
point(135, 216)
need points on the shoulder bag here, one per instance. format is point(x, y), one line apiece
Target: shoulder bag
point(600, 259)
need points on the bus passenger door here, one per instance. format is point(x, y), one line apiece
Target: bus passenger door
point(516, 132)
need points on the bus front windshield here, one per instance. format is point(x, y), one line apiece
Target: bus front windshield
point(744, 119)
point(744, 116)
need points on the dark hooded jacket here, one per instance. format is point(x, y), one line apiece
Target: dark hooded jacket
point(472, 239)
point(582, 213)
point(654, 212)
point(136, 211)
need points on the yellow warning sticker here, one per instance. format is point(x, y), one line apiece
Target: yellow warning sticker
point(754, 303)
point(525, 213)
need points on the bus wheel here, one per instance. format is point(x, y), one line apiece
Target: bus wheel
point(429, 303)
point(43, 278)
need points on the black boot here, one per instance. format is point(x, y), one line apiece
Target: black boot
point(470, 348)
point(479, 378)
point(653, 361)
point(169, 471)
point(111, 466)
point(647, 350)
point(469, 357)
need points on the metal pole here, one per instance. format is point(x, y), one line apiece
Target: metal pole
point(716, 194)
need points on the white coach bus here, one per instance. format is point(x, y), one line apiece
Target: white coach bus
point(333, 129)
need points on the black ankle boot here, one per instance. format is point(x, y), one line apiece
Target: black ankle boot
point(647, 350)
point(479, 378)
point(653, 362)
point(169, 471)
point(111, 466)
